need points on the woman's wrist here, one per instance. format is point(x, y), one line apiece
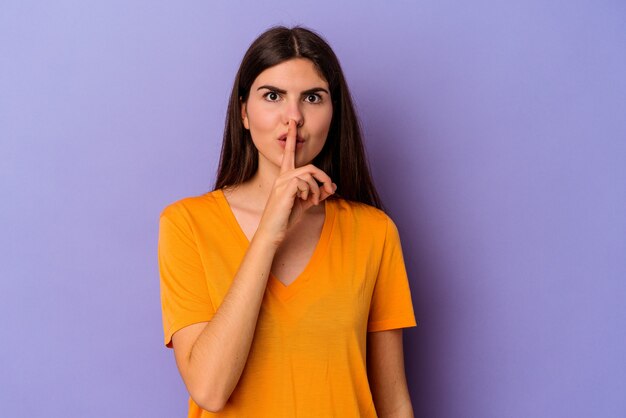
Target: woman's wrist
point(265, 240)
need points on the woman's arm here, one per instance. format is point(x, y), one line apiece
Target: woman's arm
point(385, 370)
point(211, 355)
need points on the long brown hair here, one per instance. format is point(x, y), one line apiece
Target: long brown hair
point(343, 156)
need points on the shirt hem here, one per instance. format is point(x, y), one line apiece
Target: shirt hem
point(391, 324)
point(182, 324)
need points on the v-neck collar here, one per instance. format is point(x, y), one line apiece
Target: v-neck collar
point(276, 286)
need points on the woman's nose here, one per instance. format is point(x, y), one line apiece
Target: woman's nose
point(294, 112)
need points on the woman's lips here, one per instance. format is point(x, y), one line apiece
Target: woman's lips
point(283, 137)
point(283, 141)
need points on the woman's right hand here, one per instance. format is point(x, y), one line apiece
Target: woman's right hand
point(294, 192)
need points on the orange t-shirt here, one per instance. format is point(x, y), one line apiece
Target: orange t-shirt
point(308, 354)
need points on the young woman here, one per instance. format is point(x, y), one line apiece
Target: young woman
point(284, 290)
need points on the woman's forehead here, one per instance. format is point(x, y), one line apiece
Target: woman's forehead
point(293, 74)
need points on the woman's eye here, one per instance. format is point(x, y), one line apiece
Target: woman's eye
point(316, 98)
point(272, 96)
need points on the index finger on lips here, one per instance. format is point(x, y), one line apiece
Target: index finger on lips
point(289, 156)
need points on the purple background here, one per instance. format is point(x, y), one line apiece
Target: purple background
point(496, 133)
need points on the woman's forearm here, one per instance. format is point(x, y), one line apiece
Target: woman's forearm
point(220, 352)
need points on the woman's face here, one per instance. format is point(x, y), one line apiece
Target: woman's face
point(290, 90)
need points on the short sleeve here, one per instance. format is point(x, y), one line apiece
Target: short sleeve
point(391, 306)
point(184, 294)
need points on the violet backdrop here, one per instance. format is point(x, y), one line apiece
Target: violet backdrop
point(496, 133)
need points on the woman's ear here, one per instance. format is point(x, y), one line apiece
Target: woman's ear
point(244, 114)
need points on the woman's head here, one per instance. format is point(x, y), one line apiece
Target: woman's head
point(279, 54)
point(293, 89)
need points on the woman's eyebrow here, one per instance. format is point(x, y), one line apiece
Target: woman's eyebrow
point(309, 91)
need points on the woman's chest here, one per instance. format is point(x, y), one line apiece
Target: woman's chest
point(296, 251)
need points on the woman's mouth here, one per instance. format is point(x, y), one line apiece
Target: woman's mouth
point(283, 138)
point(283, 141)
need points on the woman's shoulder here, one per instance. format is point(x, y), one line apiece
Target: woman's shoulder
point(192, 206)
point(361, 212)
